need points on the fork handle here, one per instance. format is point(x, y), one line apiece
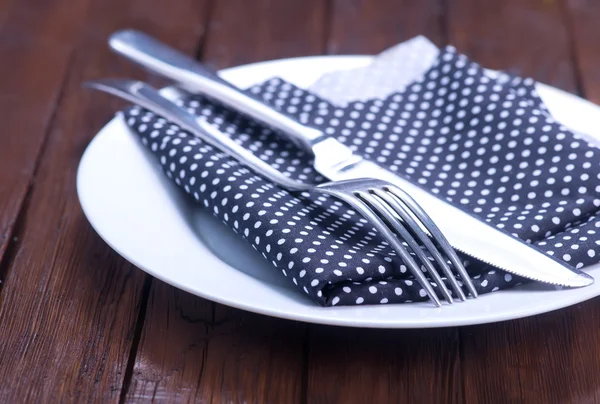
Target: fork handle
point(147, 97)
point(194, 76)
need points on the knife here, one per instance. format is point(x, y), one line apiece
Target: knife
point(336, 161)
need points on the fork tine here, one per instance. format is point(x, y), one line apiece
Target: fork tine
point(436, 234)
point(409, 219)
point(388, 214)
point(385, 231)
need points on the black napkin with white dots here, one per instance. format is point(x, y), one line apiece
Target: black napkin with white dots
point(486, 145)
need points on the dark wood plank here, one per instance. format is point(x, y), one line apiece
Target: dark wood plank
point(191, 353)
point(244, 31)
point(555, 357)
point(383, 366)
point(583, 17)
point(31, 32)
point(371, 26)
point(525, 37)
point(380, 366)
point(253, 359)
point(550, 358)
point(173, 346)
point(231, 356)
point(69, 304)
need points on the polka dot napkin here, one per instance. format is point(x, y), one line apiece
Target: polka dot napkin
point(486, 145)
point(390, 71)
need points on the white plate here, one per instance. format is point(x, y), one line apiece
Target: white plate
point(147, 220)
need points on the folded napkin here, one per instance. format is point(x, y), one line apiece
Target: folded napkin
point(485, 145)
point(390, 71)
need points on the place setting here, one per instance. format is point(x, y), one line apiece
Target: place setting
point(412, 189)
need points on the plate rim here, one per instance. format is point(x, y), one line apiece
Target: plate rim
point(337, 321)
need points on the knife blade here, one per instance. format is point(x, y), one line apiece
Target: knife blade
point(335, 161)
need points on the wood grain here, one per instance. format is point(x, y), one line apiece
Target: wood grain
point(191, 352)
point(231, 355)
point(524, 37)
point(173, 346)
point(583, 17)
point(69, 304)
point(383, 366)
point(244, 31)
point(254, 359)
point(552, 358)
point(371, 26)
point(31, 32)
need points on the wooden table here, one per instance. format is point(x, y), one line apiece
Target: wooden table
point(80, 324)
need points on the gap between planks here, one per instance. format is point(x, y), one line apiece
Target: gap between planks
point(15, 232)
point(139, 326)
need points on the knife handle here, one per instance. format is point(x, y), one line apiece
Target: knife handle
point(196, 77)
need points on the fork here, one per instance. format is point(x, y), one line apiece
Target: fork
point(390, 210)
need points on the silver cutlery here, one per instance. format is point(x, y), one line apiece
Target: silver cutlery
point(395, 215)
point(336, 161)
